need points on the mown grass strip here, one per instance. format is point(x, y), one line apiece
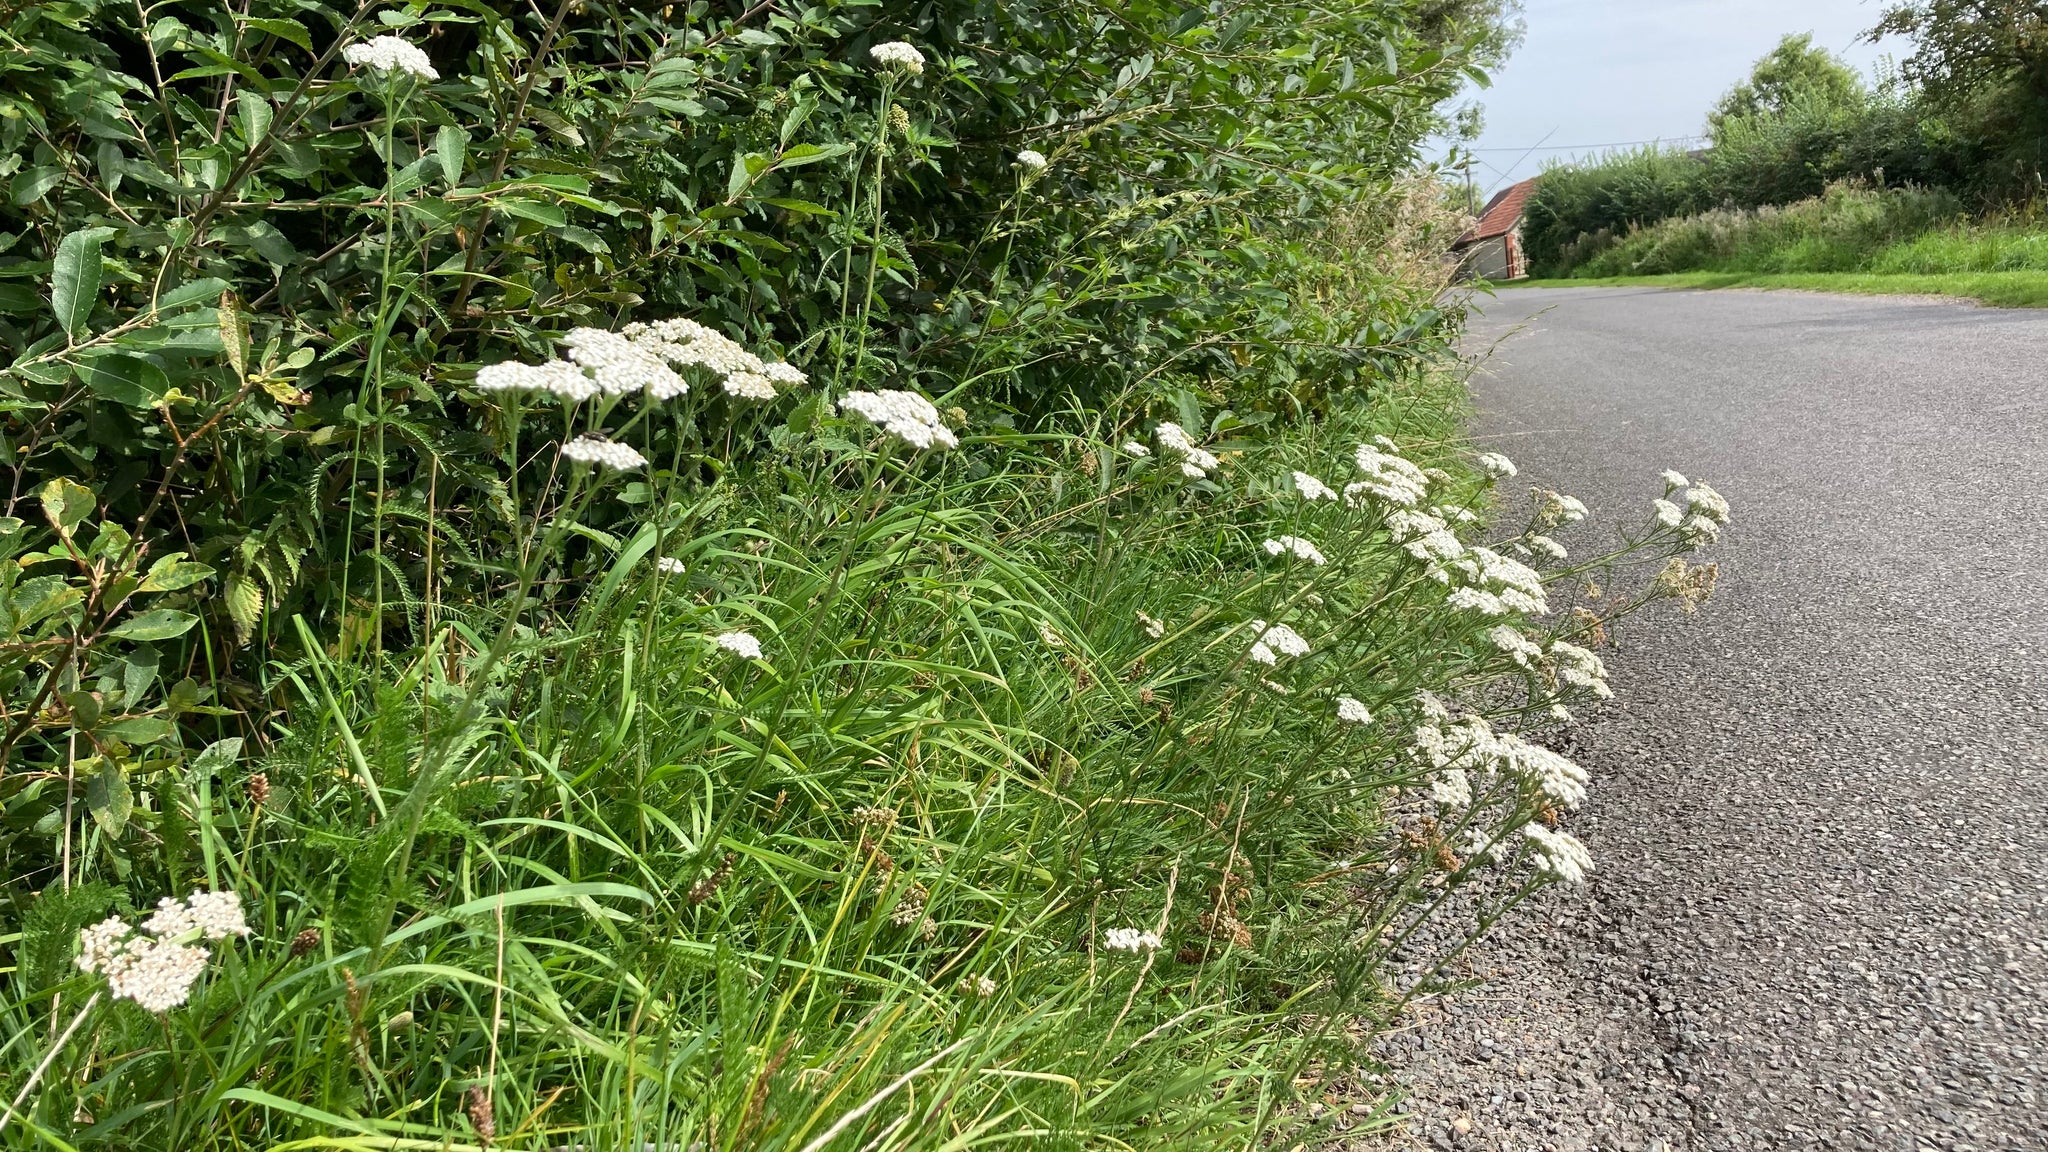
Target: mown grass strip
point(2027, 289)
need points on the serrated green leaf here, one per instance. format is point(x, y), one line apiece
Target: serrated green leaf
point(245, 605)
point(155, 624)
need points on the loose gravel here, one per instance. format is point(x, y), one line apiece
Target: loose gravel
point(1821, 805)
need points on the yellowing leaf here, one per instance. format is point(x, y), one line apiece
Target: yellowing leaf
point(245, 605)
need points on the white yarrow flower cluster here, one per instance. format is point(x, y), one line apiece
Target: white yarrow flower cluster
point(1137, 449)
point(898, 56)
point(1547, 546)
point(1556, 508)
point(1498, 585)
point(1195, 463)
point(1031, 160)
point(1130, 940)
point(669, 566)
point(905, 415)
point(1519, 648)
point(739, 643)
point(1312, 488)
point(604, 453)
point(1276, 641)
point(1709, 512)
point(1427, 538)
point(1470, 744)
point(1301, 549)
point(1580, 668)
point(1389, 477)
point(1673, 479)
point(1350, 711)
point(1153, 628)
point(643, 358)
point(157, 967)
point(390, 54)
point(1496, 465)
point(1668, 514)
point(1558, 854)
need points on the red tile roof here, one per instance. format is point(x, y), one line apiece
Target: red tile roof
point(1502, 213)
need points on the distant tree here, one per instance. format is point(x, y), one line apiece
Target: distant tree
point(1984, 63)
point(1794, 72)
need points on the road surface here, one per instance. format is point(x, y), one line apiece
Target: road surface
point(1821, 805)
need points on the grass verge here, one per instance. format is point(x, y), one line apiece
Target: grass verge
point(2028, 289)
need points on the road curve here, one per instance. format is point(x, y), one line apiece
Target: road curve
point(1821, 814)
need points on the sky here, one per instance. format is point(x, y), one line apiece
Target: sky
point(1602, 72)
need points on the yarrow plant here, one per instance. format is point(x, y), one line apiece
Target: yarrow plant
point(1130, 940)
point(1299, 548)
point(741, 644)
point(906, 416)
point(156, 965)
point(1031, 161)
point(604, 453)
point(1195, 462)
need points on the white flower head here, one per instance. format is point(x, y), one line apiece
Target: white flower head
point(907, 416)
point(1263, 655)
point(1351, 711)
point(1668, 514)
point(1130, 940)
point(1301, 549)
point(1153, 628)
point(1701, 530)
point(741, 644)
point(554, 378)
point(1547, 546)
point(1389, 477)
point(1707, 502)
point(1277, 639)
point(669, 566)
point(898, 56)
point(1451, 788)
point(604, 453)
point(1137, 449)
point(1195, 463)
point(1312, 488)
point(1673, 478)
point(1496, 465)
point(1031, 160)
point(390, 54)
point(1519, 648)
point(621, 365)
point(217, 915)
point(1558, 854)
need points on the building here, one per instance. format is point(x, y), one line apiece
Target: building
point(1492, 248)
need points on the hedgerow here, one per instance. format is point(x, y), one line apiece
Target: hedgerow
point(627, 578)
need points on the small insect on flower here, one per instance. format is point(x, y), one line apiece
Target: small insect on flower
point(1312, 488)
point(1496, 465)
point(1351, 711)
point(1302, 549)
point(1031, 160)
point(898, 56)
point(669, 566)
point(390, 54)
point(741, 644)
point(604, 453)
point(1130, 940)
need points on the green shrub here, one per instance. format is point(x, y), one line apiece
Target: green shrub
point(1850, 229)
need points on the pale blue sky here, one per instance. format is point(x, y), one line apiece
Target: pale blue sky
point(1598, 72)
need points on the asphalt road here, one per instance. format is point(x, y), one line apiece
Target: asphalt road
point(1820, 809)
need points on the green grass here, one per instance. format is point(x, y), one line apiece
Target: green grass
point(2026, 289)
point(582, 863)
